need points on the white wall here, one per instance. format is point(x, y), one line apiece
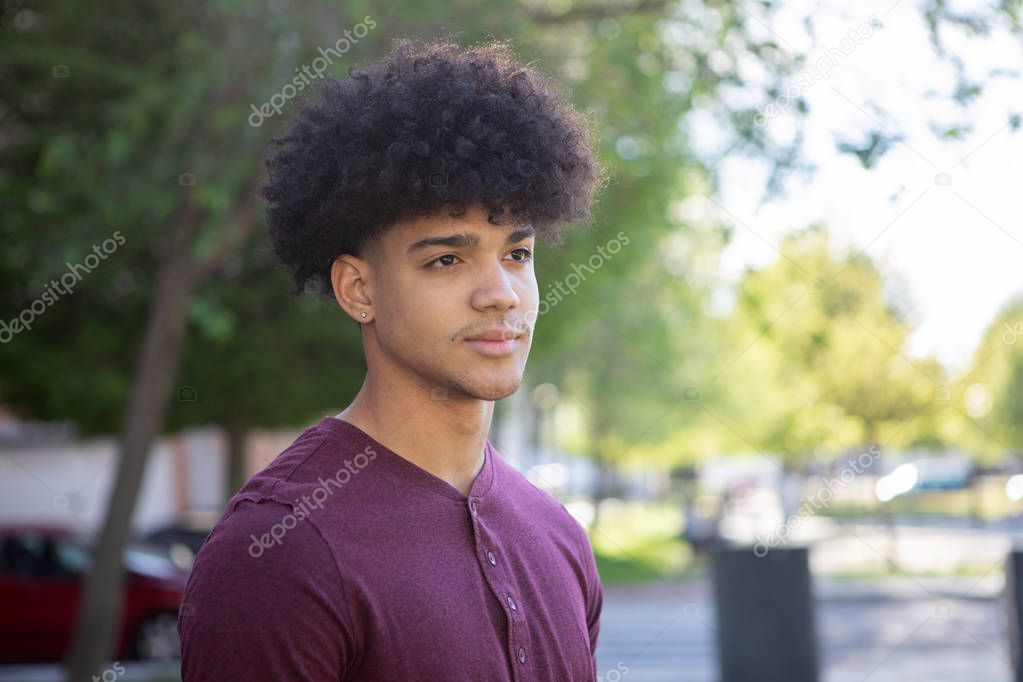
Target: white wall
point(67, 485)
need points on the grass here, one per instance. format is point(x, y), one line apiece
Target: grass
point(639, 543)
point(986, 501)
point(958, 572)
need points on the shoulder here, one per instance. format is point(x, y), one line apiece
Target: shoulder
point(254, 525)
point(261, 545)
point(255, 579)
point(270, 519)
point(320, 461)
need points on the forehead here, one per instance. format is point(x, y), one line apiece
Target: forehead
point(473, 220)
point(465, 231)
point(472, 227)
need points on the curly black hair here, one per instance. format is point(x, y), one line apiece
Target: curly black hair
point(425, 129)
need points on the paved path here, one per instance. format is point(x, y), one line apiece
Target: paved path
point(896, 630)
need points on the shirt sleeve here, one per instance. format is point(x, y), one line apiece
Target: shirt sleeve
point(594, 595)
point(265, 602)
point(594, 604)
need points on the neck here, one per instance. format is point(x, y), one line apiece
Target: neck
point(446, 437)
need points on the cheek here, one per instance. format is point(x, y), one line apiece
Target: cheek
point(525, 284)
point(421, 311)
point(529, 293)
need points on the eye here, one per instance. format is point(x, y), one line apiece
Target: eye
point(432, 265)
point(526, 255)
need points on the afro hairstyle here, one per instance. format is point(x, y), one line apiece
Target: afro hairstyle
point(427, 128)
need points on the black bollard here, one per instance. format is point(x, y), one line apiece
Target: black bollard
point(765, 615)
point(1014, 605)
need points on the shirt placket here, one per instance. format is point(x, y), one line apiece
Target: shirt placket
point(495, 571)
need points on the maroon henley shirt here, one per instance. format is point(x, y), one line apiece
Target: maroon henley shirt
point(345, 561)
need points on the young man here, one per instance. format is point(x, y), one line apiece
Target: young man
point(392, 541)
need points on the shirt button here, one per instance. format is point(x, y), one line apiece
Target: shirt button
point(511, 603)
point(472, 507)
point(522, 655)
point(492, 559)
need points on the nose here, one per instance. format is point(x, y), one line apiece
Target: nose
point(495, 288)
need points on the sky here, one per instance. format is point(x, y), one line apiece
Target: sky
point(943, 217)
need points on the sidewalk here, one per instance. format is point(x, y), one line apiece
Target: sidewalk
point(881, 630)
point(905, 588)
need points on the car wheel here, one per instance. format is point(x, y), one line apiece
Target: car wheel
point(157, 637)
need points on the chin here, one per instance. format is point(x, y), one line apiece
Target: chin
point(490, 388)
point(498, 393)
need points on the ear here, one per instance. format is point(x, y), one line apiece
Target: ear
point(351, 279)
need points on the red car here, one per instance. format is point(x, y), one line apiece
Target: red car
point(42, 573)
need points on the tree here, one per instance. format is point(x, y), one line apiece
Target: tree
point(985, 412)
point(252, 351)
point(166, 167)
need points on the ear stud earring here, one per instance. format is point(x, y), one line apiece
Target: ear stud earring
point(362, 314)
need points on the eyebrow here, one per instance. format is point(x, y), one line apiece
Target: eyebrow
point(466, 239)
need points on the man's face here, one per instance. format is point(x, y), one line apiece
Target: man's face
point(454, 302)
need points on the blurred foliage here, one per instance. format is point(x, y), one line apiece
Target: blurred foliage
point(827, 368)
point(985, 407)
point(112, 119)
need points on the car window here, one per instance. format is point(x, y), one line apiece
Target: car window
point(23, 555)
point(39, 556)
point(149, 560)
point(6, 555)
point(70, 558)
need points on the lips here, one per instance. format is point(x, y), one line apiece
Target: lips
point(494, 349)
point(495, 343)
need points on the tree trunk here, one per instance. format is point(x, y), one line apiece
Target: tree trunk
point(887, 511)
point(976, 496)
point(100, 608)
point(178, 275)
point(600, 491)
point(893, 538)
